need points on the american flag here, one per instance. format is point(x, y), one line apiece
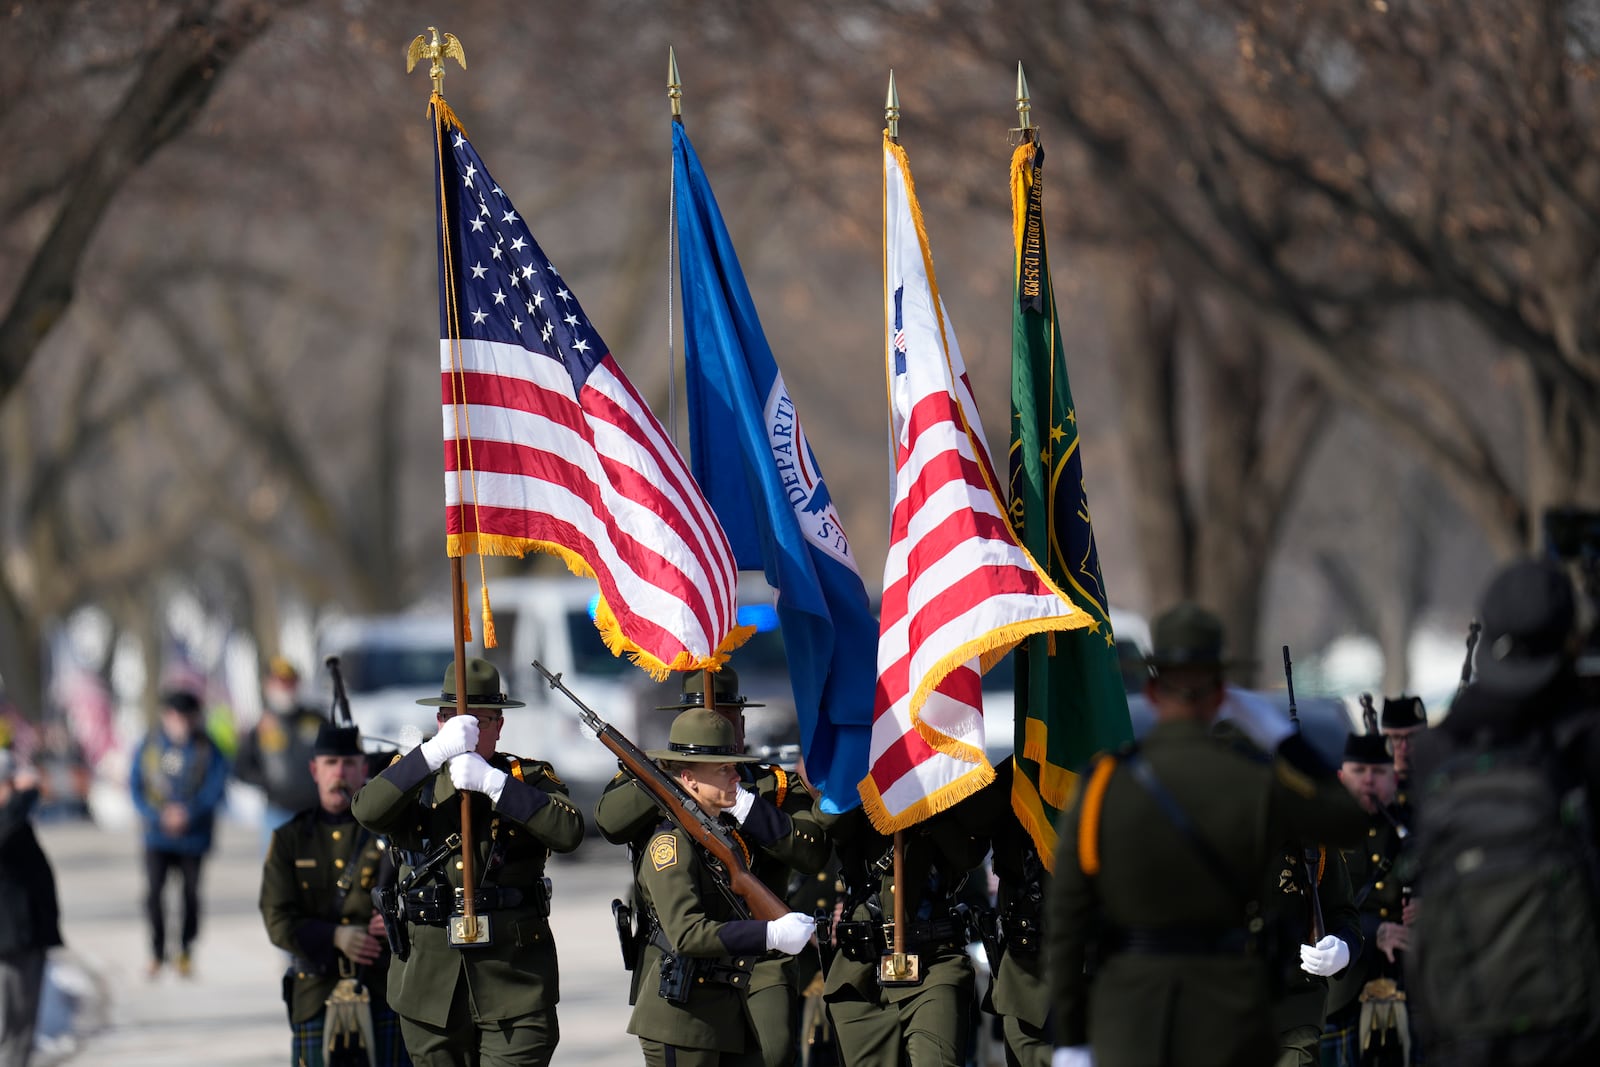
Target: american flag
point(547, 445)
point(958, 591)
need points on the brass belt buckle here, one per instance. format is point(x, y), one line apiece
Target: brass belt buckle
point(467, 931)
point(898, 968)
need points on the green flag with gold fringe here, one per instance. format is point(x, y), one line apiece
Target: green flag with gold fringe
point(1070, 701)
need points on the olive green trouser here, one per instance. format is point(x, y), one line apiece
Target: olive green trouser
point(931, 1029)
point(525, 1041)
point(658, 1055)
point(772, 1012)
point(1026, 1045)
point(1299, 1046)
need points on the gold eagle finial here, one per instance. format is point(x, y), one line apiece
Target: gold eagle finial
point(438, 51)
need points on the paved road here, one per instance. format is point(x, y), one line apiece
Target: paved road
point(229, 1012)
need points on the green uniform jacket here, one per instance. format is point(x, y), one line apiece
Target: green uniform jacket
point(1371, 868)
point(783, 824)
point(517, 972)
point(939, 853)
point(1150, 1009)
point(1302, 996)
point(699, 922)
point(308, 856)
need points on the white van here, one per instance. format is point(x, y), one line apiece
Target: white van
point(388, 662)
point(551, 619)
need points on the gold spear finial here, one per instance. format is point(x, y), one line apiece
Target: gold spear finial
point(438, 51)
point(891, 110)
point(674, 85)
point(1024, 105)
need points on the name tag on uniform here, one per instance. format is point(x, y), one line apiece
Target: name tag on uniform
point(305, 863)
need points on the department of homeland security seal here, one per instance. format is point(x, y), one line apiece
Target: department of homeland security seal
point(802, 480)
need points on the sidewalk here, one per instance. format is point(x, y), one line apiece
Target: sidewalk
point(230, 1011)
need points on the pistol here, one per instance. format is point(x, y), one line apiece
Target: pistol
point(391, 905)
point(627, 937)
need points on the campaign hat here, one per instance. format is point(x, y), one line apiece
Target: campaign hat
point(483, 688)
point(1187, 635)
point(724, 690)
point(700, 735)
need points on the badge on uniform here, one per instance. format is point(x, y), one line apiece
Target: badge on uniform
point(664, 852)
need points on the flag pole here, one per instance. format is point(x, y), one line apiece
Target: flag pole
point(675, 97)
point(891, 118)
point(465, 929)
point(1025, 125)
point(896, 968)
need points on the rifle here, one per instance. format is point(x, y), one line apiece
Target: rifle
point(1466, 664)
point(1311, 855)
point(753, 894)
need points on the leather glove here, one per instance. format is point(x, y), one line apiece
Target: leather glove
point(1257, 716)
point(356, 943)
point(789, 933)
point(470, 771)
point(1326, 957)
point(741, 807)
point(1075, 1056)
point(458, 734)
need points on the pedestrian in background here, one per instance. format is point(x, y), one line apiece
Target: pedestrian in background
point(275, 752)
point(28, 912)
point(177, 781)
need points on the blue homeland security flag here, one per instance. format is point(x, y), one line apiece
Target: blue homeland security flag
point(749, 453)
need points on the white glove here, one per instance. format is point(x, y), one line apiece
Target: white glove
point(1328, 956)
point(789, 933)
point(1257, 716)
point(470, 771)
point(741, 807)
point(1076, 1056)
point(458, 734)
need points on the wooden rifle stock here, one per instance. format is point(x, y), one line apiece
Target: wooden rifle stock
point(680, 807)
point(1311, 858)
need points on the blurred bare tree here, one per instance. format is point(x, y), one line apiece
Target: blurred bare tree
point(218, 347)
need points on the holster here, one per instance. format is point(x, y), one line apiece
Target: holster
point(860, 940)
point(628, 935)
point(390, 903)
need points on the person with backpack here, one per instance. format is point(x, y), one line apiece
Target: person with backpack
point(1505, 965)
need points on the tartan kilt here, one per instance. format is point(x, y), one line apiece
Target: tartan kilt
point(1341, 1045)
point(306, 1049)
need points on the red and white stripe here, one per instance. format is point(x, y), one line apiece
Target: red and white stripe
point(593, 476)
point(956, 585)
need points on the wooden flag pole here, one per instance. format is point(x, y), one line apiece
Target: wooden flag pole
point(458, 600)
point(464, 929)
